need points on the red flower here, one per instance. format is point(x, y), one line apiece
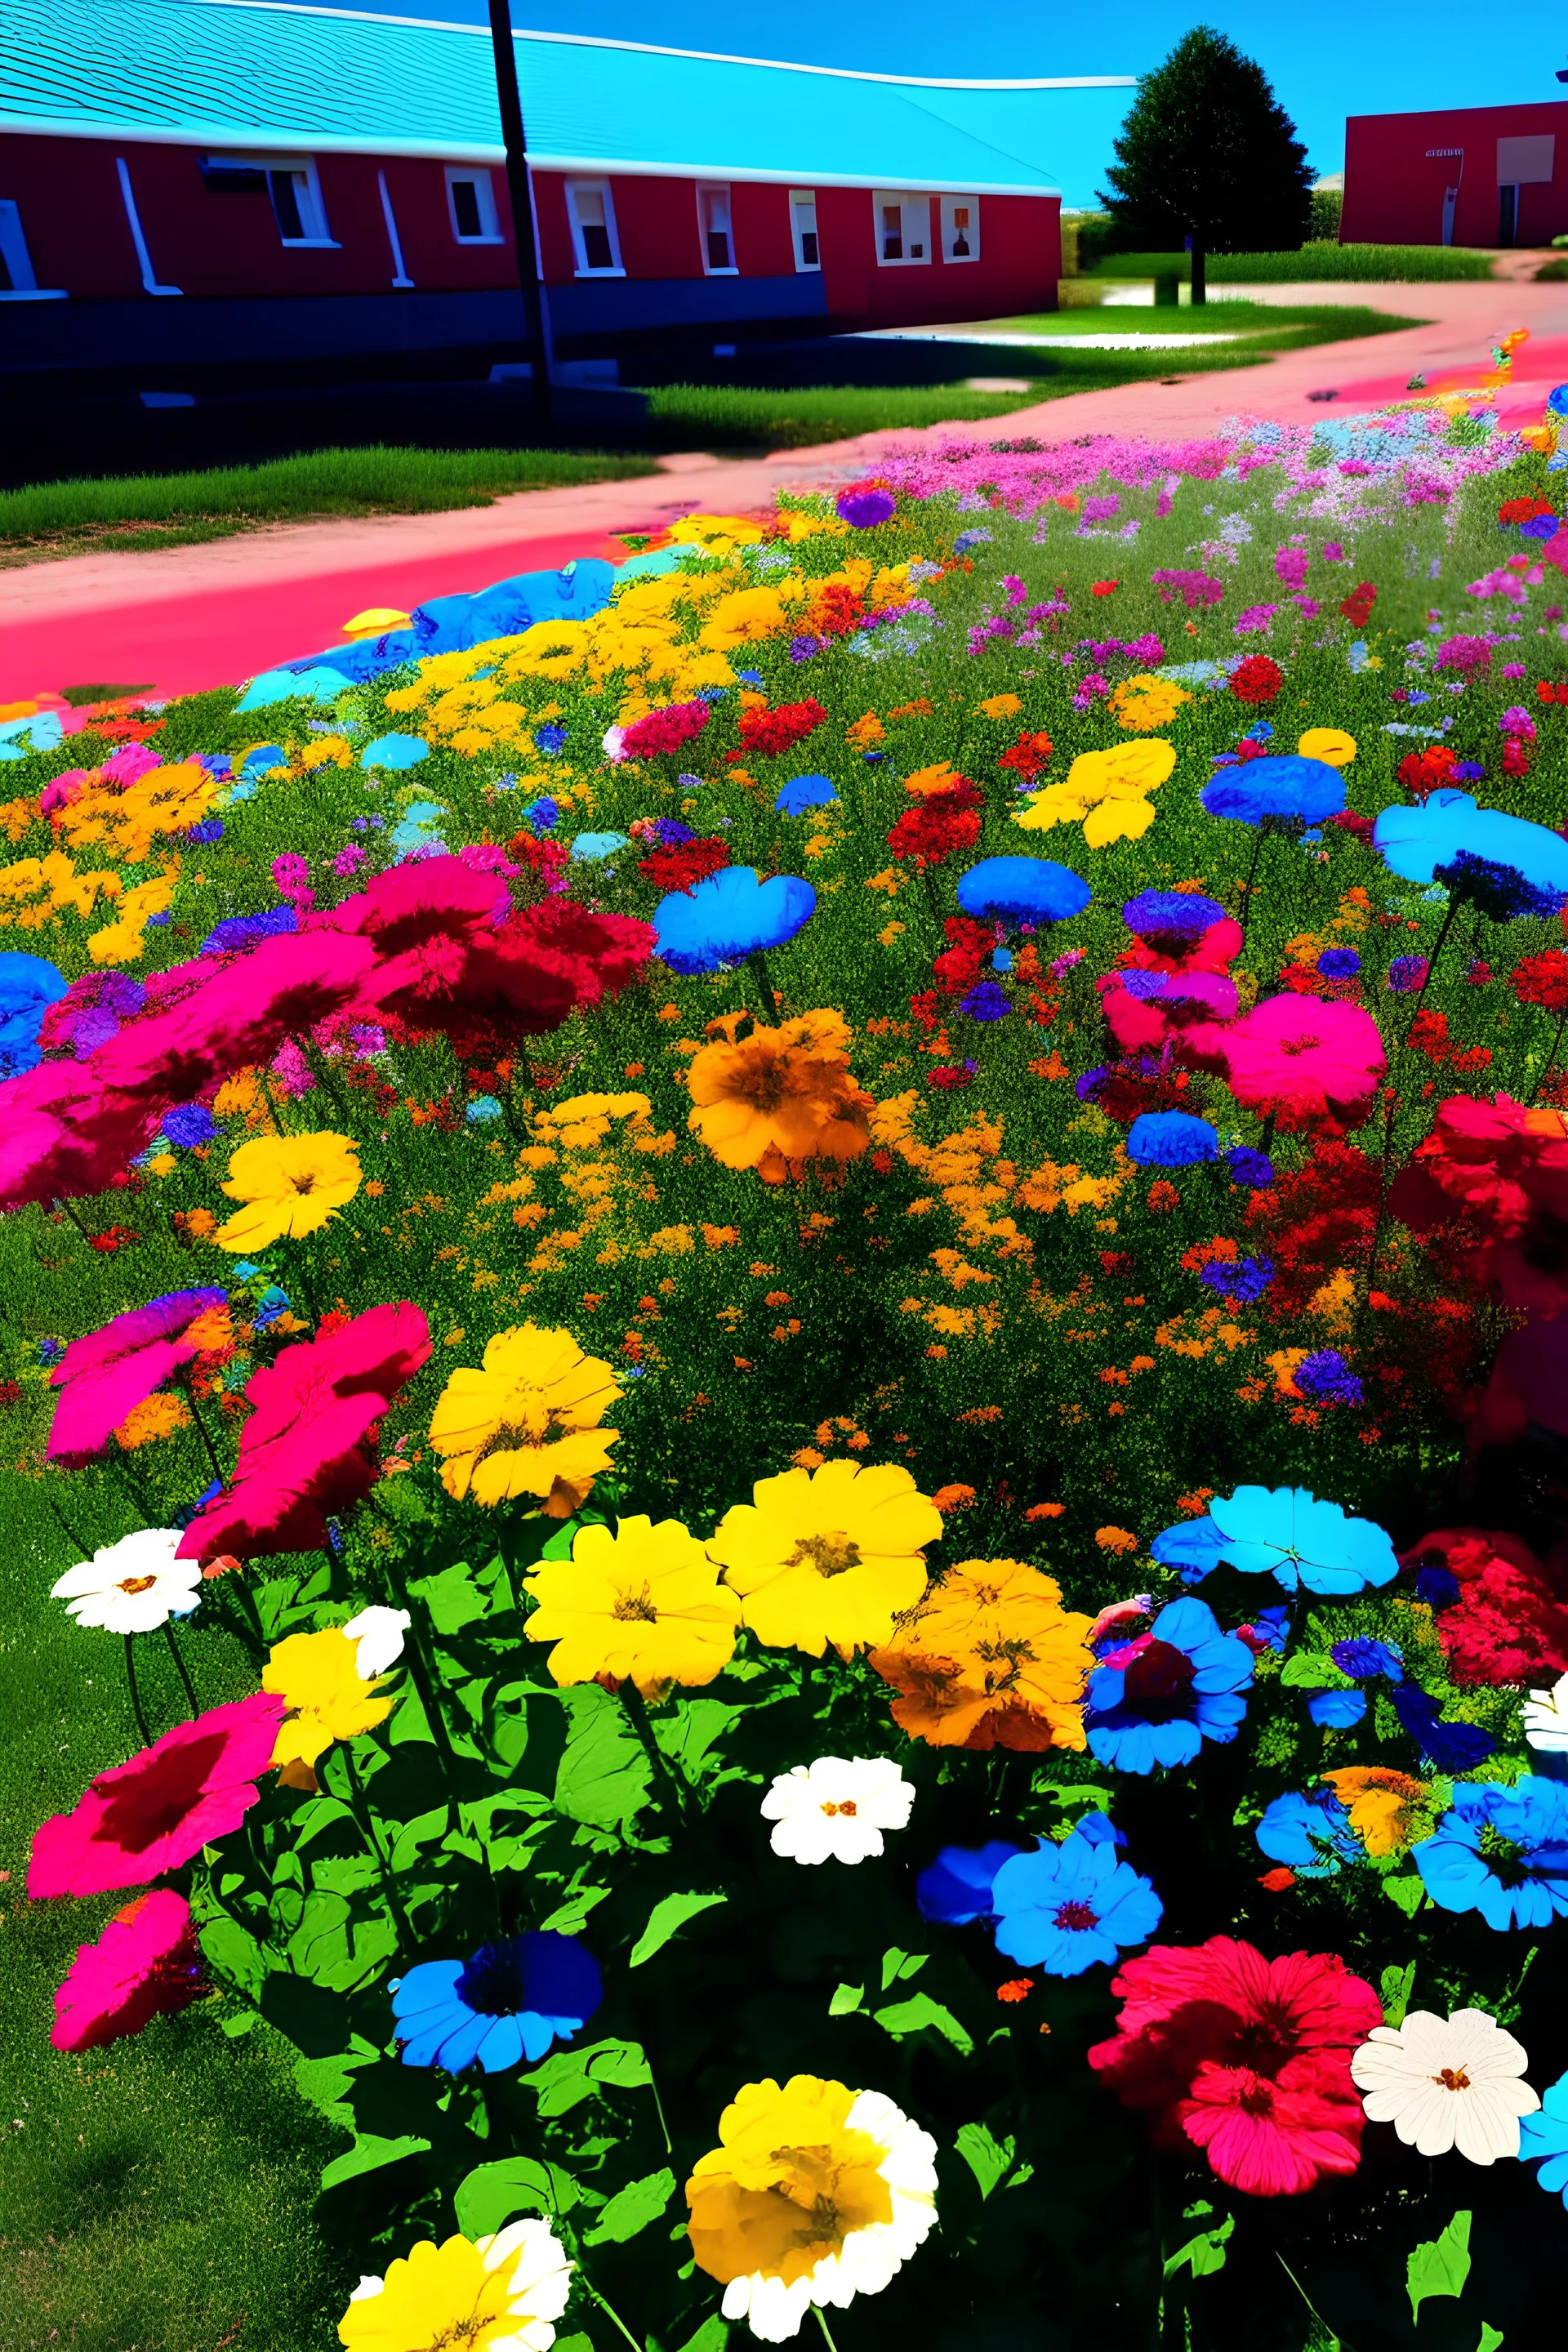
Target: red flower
point(1428, 770)
point(1507, 1625)
point(664, 730)
point(1257, 680)
point(146, 1963)
point(1027, 756)
point(1245, 2057)
point(185, 1792)
point(766, 734)
point(938, 825)
point(970, 948)
point(1358, 605)
point(677, 865)
point(308, 1450)
point(1103, 587)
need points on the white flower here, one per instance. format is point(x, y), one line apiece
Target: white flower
point(868, 2258)
point(1546, 1719)
point(1447, 2083)
point(132, 1586)
point(538, 2287)
point(377, 1635)
point(836, 1808)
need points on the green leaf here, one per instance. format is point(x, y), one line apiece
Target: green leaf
point(1406, 1891)
point(909, 2017)
point(1395, 1985)
point(640, 2203)
point(1441, 2266)
point(1203, 2254)
point(369, 2152)
point(1313, 1670)
point(687, 1737)
point(1490, 2338)
point(990, 2161)
point(896, 1966)
point(604, 1775)
point(492, 2193)
point(847, 1998)
point(315, 2019)
point(567, 2077)
point(711, 2336)
point(234, 1953)
point(453, 1598)
point(665, 1919)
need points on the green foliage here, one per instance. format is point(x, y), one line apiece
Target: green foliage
point(668, 1916)
point(1323, 225)
point(1203, 2254)
point(1367, 264)
point(1207, 151)
point(1441, 2266)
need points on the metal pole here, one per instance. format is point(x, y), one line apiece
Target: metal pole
point(519, 189)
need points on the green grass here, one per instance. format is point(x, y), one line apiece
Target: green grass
point(157, 2196)
point(1369, 264)
point(226, 499)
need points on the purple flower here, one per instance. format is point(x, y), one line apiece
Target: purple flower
point(864, 510)
point(1194, 588)
point(1464, 654)
point(1255, 617)
point(291, 872)
point(986, 1001)
point(1407, 973)
point(1014, 588)
point(1339, 963)
point(1333, 551)
point(1291, 566)
point(1361, 1657)
point(210, 829)
point(189, 1124)
point(1101, 509)
point(802, 648)
point(1243, 1282)
point(1327, 1379)
point(1253, 1171)
point(236, 932)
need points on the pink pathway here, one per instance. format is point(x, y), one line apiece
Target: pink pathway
point(178, 619)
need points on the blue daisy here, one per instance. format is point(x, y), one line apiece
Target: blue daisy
point(1182, 1685)
point(1072, 1906)
point(501, 2007)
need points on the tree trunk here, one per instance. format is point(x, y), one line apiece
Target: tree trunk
point(1200, 282)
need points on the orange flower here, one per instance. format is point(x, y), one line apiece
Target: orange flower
point(988, 1657)
point(781, 1097)
point(954, 1498)
point(1045, 1511)
point(1277, 1880)
point(1015, 1989)
point(1115, 1539)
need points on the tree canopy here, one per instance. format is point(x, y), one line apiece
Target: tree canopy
point(1207, 151)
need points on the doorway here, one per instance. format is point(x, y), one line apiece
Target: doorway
point(1508, 213)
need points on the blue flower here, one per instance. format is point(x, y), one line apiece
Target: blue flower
point(1339, 963)
point(670, 833)
point(236, 932)
point(748, 678)
point(1451, 1746)
point(864, 510)
point(956, 1887)
point(1311, 1834)
point(543, 812)
point(986, 1001)
point(1407, 973)
point(1362, 1658)
point(1287, 1532)
point(396, 751)
point(504, 2005)
point(1335, 1711)
point(1501, 1851)
point(1245, 1281)
point(1544, 2139)
point(49, 1351)
point(29, 986)
point(1181, 1688)
point(1253, 1171)
point(1437, 1587)
point(1326, 1378)
point(550, 741)
point(271, 1303)
point(589, 847)
point(1170, 1139)
point(802, 792)
point(202, 835)
point(728, 917)
point(1415, 842)
point(977, 537)
point(1272, 1626)
point(481, 1110)
point(189, 1124)
point(1287, 791)
point(1179, 917)
point(1072, 1906)
point(1023, 890)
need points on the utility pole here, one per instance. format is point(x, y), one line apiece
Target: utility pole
point(1200, 279)
point(521, 192)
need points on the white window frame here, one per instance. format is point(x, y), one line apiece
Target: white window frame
point(950, 206)
point(23, 286)
point(600, 188)
point(706, 192)
point(797, 198)
point(312, 211)
point(479, 179)
point(914, 226)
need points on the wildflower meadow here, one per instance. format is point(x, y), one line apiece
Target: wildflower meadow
point(804, 1343)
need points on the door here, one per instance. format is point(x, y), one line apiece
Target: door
point(1451, 199)
point(1508, 213)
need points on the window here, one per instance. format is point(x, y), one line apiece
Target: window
point(903, 227)
point(289, 180)
point(593, 221)
point(803, 228)
point(470, 201)
point(718, 237)
point(15, 264)
point(960, 229)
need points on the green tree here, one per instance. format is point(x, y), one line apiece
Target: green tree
point(1209, 153)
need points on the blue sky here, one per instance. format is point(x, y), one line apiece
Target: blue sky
point(1323, 66)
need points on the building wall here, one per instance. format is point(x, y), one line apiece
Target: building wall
point(1397, 167)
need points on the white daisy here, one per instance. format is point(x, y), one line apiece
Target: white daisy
point(377, 1635)
point(867, 2258)
point(132, 1586)
point(1546, 1719)
point(1446, 2083)
point(837, 1808)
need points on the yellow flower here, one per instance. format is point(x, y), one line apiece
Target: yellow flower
point(721, 534)
point(1386, 1809)
point(1144, 704)
point(832, 1555)
point(1329, 743)
point(780, 1096)
point(291, 1184)
point(816, 2193)
point(744, 617)
point(1000, 705)
point(527, 1423)
point(499, 2294)
point(990, 1657)
point(1106, 792)
point(156, 1416)
point(643, 1605)
point(317, 1676)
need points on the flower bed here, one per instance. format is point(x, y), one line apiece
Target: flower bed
point(894, 1206)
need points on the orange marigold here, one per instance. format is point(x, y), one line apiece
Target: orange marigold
point(780, 1097)
point(990, 1657)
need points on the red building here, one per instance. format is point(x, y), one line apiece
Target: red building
point(1482, 175)
point(211, 184)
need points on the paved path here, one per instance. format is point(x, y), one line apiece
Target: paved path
point(175, 620)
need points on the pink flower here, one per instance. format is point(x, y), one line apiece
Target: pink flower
point(156, 1812)
point(348, 861)
point(106, 1372)
point(1303, 1058)
point(62, 1132)
point(146, 1963)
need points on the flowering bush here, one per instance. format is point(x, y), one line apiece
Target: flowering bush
point(647, 1334)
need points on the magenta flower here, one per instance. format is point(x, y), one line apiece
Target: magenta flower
point(146, 1963)
point(106, 1374)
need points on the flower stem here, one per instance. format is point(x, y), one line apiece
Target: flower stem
point(135, 1693)
point(180, 1668)
point(189, 1387)
point(359, 1805)
point(1333, 2342)
point(64, 1205)
point(667, 1781)
point(764, 987)
point(1446, 925)
point(827, 2331)
point(610, 2310)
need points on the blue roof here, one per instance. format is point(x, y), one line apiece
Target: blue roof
point(266, 73)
